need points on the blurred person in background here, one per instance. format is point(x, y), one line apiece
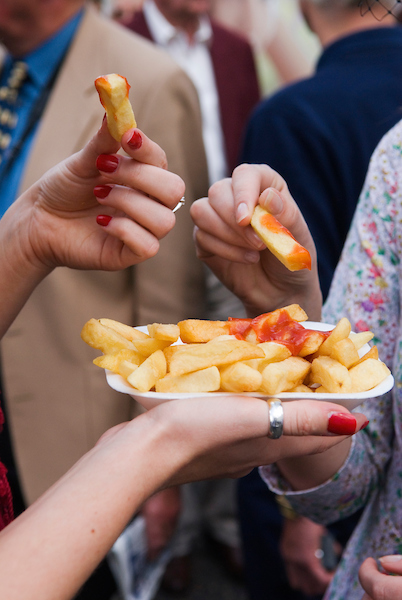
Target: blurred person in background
point(319, 134)
point(51, 52)
point(221, 65)
point(284, 47)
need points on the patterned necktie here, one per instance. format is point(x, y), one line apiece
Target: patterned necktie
point(9, 104)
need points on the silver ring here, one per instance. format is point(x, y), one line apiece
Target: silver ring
point(179, 204)
point(275, 410)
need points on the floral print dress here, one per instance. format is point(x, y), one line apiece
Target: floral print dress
point(367, 289)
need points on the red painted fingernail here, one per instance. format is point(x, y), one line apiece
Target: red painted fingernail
point(103, 220)
point(135, 142)
point(342, 424)
point(102, 191)
point(364, 425)
point(107, 163)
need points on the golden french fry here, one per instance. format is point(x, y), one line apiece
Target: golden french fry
point(126, 368)
point(112, 361)
point(340, 332)
point(131, 333)
point(104, 338)
point(331, 374)
point(280, 241)
point(161, 331)
point(359, 339)
point(150, 345)
point(153, 368)
point(239, 377)
point(372, 353)
point(205, 380)
point(345, 352)
point(199, 331)
point(113, 92)
point(301, 389)
point(312, 343)
point(283, 376)
point(201, 356)
point(368, 374)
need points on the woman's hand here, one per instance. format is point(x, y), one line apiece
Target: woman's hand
point(227, 244)
point(381, 585)
point(227, 438)
point(97, 209)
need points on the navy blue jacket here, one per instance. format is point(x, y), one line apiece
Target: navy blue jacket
point(320, 133)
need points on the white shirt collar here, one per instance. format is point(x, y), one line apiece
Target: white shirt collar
point(163, 32)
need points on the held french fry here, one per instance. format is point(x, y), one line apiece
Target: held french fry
point(113, 92)
point(280, 241)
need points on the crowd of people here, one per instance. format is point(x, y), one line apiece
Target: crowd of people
point(323, 154)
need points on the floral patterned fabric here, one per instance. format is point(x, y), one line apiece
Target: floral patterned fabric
point(6, 504)
point(367, 290)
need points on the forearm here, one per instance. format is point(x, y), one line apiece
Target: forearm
point(20, 270)
point(53, 547)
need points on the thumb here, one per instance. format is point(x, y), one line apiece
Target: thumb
point(312, 417)
point(377, 584)
point(83, 163)
point(392, 563)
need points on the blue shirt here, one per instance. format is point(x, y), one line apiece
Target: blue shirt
point(42, 64)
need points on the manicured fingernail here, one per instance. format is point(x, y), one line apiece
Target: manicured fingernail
point(107, 163)
point(103, 220)
point(135, 142)
point(252, 257)
point(102, 191)
point(342, 424)
point(241, 212)
point(391, 558)
point(272, 201)
point(364, 425)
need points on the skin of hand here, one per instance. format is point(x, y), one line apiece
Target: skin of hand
point(300, 538)
point(377, 583)
point(161, 513)
point(50, 550)
point(226, 242)
point(56, 221)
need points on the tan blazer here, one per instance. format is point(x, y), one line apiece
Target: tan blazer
point(58, 401)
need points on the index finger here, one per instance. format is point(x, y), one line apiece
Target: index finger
point(248, 182)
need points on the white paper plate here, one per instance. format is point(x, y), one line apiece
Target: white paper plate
point(150, 399)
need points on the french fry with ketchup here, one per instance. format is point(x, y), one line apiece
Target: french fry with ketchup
point(280, 241)
point(270, 354)
point(113, 92)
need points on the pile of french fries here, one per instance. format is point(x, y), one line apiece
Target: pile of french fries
point(231, 356)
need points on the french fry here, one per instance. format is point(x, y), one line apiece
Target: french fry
point(149, 372)
point(239, 377)
point(205, 380)
point(160, 331)
point(340, 332)
point(112, 361)
point(126, 368)
point(345, 352)
point(113, 93)
point(280, 241)
point(104, 338)
point(130, 333)
point(372, 353)
point(199, 331)
point(362, 338)
point(368, 374)
point(150, 345)
point(202, 356)
point(331, 374)
point(283, 376)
